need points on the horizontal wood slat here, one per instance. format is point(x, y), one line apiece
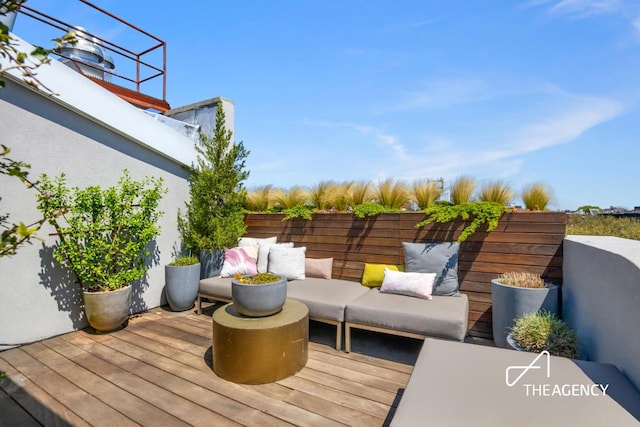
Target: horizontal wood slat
point(523, 241)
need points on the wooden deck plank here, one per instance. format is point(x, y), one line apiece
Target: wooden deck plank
point(42, 406)
point(157, 371)
point(54, 355)
point(129, 354)
point(86, 406)
point(13, 414)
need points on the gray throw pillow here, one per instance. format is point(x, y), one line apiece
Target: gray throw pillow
point(440, 258)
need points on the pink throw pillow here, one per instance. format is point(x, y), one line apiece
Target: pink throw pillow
point(240, 261)
point(418, 285)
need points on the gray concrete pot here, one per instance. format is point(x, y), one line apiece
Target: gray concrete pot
point(211, 263)
point(181, 285)
point(107, 311)
point(259, 300)
point(509, 302)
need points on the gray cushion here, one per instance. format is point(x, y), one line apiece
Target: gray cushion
point(325, 298)
point(442, 317)
point(473, 392)
point(216, 287)
point(440, 258)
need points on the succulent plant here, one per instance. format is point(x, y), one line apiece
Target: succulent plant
point(522, 280)
point(535, 332)
point(257, 279)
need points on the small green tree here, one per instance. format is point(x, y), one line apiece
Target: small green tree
point(214, 217)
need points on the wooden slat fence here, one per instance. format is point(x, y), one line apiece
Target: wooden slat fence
point(523, 241)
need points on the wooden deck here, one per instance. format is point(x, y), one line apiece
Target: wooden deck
point(157, 371)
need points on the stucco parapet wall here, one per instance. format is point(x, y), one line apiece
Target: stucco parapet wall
point(626, 248)
point(82, 96)
point(199, 104)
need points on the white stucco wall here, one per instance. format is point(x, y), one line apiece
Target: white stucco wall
point(37, 298)
point(601, 299)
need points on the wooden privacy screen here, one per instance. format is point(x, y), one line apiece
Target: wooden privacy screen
point(523, 241)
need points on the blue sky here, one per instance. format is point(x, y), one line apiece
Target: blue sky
point(519, 91)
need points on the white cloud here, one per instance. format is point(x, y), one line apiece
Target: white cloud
point(442, 93)
point(579, 8)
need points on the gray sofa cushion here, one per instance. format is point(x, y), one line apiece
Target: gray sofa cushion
point(474, 391)
point(442, 317)
point(439, 258)
point(216, 287)
point(325, 298)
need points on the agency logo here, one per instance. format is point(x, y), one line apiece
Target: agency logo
point(543, 385)
point(524, 369)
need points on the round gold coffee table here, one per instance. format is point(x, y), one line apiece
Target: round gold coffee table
point(258, 350)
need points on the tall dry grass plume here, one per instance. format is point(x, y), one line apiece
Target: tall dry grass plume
point(393, 194)
point(287, 199)
point(259, 199)
point(496, 191)
point(426, 192)
point(358, 193)
point(461, 189)
point(323, 195)
point(536, 196)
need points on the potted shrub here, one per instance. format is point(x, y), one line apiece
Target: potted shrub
point(104, 237)
point(259, 295)
point(182, 278)
point(214, 217)
point(516, 293)
point(535, 332)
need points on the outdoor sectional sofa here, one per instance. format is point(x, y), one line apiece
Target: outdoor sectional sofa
point(456, 384)
point(342, 302)
point(336, 301)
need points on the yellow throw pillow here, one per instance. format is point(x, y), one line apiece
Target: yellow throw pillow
point(373, 274)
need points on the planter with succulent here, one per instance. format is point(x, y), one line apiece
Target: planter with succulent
point(259, 295)
point(536, 332)
point(104, 239)
point(516, 293)
point(182, 278)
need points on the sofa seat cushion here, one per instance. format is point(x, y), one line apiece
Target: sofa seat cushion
point(474, 390)
point(442, 317)
point(325, 298)
point(216, 287)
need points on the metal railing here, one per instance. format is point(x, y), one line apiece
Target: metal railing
point(149, 70)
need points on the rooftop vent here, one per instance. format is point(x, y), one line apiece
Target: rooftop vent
point(86, 56)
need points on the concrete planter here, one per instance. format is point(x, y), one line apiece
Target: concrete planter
point(211, 263)
point(510, 302)
point(259, 300)
point(107, 311)
point(181, 285)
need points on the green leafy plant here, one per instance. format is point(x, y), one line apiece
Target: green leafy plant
point(393, 194)
point(481, 213)
point(603, 225)
point(257, 279)
point(184, 260)
point(495, 191)
point(298, 211)
point(14, 235)
point(369, 209)
point(522, 280)
point(104, 234)
point(536, 196)
point(535, 332)
point(426, 192)
point(461, 189)
point(214, 217)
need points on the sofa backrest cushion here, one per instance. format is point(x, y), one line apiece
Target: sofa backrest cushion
point(440, 258)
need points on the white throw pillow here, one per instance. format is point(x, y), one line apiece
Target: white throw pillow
point(418, 285)
point(287, 262)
